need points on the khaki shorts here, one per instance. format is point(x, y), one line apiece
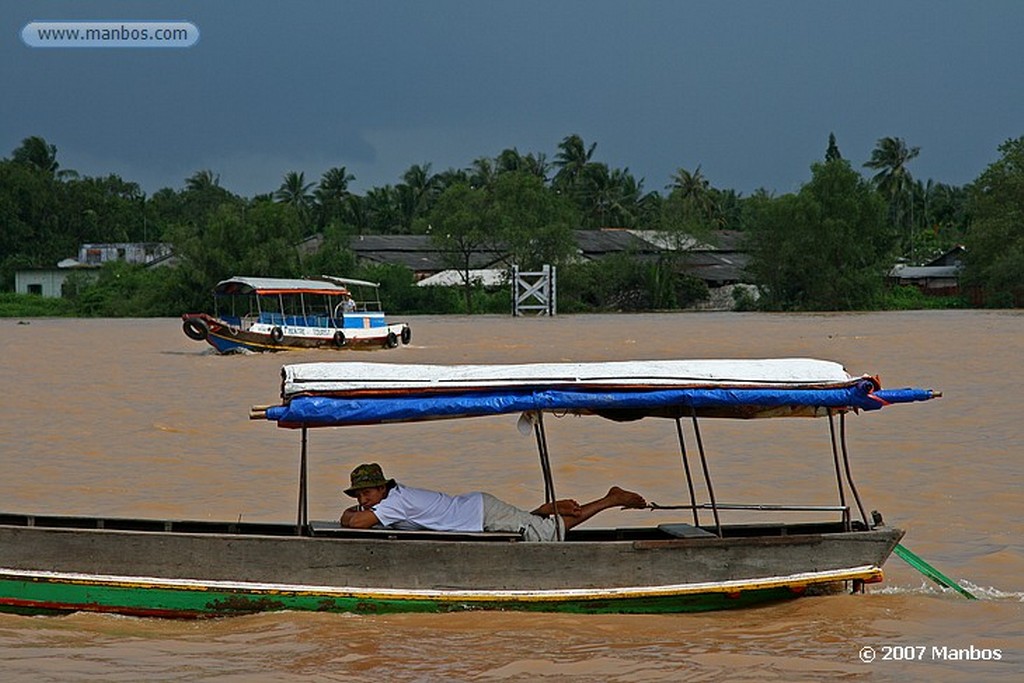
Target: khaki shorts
point(500, 516)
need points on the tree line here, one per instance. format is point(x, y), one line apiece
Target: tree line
point(825, 247)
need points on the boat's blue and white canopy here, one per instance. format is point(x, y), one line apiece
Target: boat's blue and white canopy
point(240, 285)
point(338, 394)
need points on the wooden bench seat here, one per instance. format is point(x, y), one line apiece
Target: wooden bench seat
point(681, 530)
point(335, 530)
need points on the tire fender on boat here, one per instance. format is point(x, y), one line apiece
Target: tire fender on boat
point(196, 328)
point(277, 335)
point(391, 341)
point(406, 334)
point(339, 339)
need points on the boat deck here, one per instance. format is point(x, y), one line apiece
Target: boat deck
point(325, 529)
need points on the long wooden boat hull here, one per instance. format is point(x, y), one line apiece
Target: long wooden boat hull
point(228, 338)
point(209, 572)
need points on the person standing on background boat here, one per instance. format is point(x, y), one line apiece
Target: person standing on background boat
point(385, 502)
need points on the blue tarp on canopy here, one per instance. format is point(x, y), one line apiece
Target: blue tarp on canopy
point(326, 411)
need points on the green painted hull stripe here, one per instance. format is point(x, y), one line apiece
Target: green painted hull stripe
point(45, 591)
point(54, 597)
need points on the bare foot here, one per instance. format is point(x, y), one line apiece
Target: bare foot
point(627, 499)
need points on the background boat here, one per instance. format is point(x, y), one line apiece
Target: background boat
point(275, 314)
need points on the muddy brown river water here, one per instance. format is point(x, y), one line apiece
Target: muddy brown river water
point(131, 418)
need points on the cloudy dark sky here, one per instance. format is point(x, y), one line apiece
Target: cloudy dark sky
point(747, 90)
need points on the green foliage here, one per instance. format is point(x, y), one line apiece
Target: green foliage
point(602, 197)
point(334, 257)
point(908, 298)
point(33, 306)
point(533, 224)
point(623, 282)
point(259, 238)
point(514, 214)
point(832, 153)
point(743, 300)
point(400, 295)
point(124, 290)
point(893, 179)
point(37, 155)
point(396, 285)
point(458, 225)
point(825, 248)
point(995, 254)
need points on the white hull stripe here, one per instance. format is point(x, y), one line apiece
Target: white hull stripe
point(143, 582)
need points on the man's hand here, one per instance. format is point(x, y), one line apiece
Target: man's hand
point(357, 518)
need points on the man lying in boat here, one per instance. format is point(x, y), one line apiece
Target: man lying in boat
point(384, 502)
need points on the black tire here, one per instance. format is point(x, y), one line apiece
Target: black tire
point(277, 335)
point(196, 328)
point(406, 334)
point(339, 339)
point(392, 340)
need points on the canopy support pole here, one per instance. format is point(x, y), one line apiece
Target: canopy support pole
point(839, 475)
point(707, 475)
point(303, 516)
point(686, 468)
point(846, 466)
point(545, 467)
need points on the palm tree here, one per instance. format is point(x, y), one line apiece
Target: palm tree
point(624, 208)
point(509, 161)
point(295, 191)
point(571, 160)
point(334, 184)
point(609, 197)
point(332, 195)
point(36, 153)
point(594, 193)
point(201, 181)
point(537, 165)
point(482, 172)
point(446, 179)
point(383, 210)
point(421, 191)
point(695, 191)
point(890, 158)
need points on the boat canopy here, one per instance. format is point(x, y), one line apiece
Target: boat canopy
point(272, 285)
point(338, 394)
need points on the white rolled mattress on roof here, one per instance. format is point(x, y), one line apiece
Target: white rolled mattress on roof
point(346, 377)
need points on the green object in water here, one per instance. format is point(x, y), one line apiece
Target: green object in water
point(931, 572)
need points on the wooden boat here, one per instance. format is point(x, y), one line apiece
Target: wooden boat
point(275, 314)
point(691, 560)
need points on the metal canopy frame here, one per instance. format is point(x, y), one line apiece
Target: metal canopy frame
point(841, 460)
point(840, 457)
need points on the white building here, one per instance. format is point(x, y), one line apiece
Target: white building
point(48, 282)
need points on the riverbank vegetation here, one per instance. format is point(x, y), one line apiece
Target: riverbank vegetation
point(827, 246)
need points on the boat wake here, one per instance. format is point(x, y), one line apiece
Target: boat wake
point(930, 589)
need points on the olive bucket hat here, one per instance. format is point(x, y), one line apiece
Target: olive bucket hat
point(367, 476)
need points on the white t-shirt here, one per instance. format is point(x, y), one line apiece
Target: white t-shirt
point(409, 508)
